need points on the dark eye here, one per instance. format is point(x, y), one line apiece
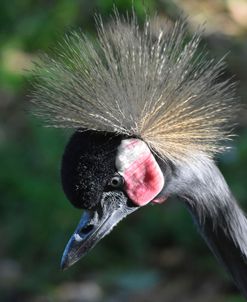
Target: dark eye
point(117, 181)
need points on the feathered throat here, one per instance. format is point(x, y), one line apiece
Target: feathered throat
point(149, 82)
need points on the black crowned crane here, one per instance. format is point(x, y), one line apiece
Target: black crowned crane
point(150, 114)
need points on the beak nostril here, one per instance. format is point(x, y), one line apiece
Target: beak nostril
point(87, 229)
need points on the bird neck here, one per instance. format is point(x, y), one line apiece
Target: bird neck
point(207, 196)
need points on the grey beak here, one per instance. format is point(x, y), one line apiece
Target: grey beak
point(96, 224)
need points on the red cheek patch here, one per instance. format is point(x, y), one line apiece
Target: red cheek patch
point(142, 175)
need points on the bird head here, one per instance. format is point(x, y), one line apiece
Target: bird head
point(109, 176)
point(144, 101)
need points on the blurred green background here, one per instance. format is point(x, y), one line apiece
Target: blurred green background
point(155, 254)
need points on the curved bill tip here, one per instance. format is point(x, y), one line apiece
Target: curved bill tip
point(64, 264)
point(78, 244)
point(93, 226)
point(76, 248)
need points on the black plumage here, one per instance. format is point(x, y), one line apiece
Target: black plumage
point(88, 165)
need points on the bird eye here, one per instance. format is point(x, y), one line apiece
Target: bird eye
point(117, 181)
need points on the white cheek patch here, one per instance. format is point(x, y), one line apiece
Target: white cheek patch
point(142, 175)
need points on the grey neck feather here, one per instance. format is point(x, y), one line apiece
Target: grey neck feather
point(220, 220)
point(208, 197)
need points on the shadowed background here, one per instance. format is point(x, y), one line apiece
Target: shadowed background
point(153, 255)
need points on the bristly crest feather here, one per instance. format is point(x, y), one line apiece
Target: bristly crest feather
point(136, 82)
